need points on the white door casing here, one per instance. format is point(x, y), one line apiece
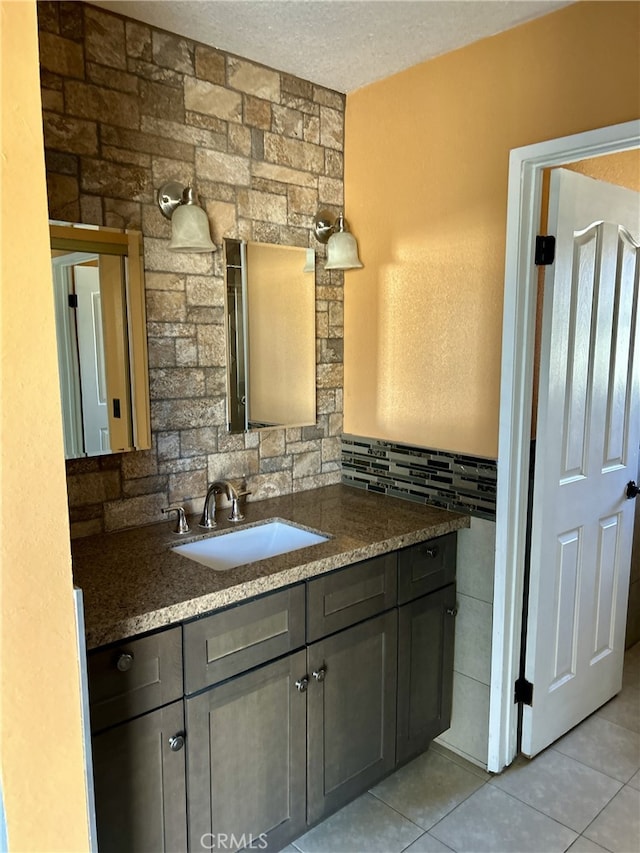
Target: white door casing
point(518, 333)
point(586, 452)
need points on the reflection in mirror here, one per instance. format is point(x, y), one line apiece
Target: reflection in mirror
point(271, 337)
point(98, 286)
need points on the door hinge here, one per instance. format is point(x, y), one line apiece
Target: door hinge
point(523, 692)
point(545, 250)
point(73, 300)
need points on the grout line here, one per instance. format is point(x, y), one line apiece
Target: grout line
point(399, 813)
point(426, 832)
point(457, 806)
point(516, 797)
point(477, 680)
point(597, 769)
point(598, 815)
point(535, 809)
point(608, 849)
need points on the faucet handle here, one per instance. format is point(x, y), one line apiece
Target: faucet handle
point(181, 525)
point(236, 515)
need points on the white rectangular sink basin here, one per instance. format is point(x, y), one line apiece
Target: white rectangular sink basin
point(238, 547)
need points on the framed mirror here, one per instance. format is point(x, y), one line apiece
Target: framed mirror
point(98, 281)
point(271, 335)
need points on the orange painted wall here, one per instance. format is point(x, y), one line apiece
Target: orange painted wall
point(40, 729)
point(426, 169)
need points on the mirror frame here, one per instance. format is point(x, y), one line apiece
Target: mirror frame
point(127, 244)
point(243, 247)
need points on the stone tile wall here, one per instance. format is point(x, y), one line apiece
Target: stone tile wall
point(126, 108)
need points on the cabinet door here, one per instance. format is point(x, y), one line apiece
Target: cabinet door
point(139, 784)
point(246, 758)
point(425, 670)
point(351, 712)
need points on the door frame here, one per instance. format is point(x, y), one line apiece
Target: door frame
point(526, 165)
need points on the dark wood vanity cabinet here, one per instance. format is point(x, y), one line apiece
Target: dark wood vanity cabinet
point(137, 721)
point(351, 713)
point(425, 670)
point(139, 784)
point(247, 758)
point(276, 748)
point(294, 703)
point(246, 720)
point(426, 630)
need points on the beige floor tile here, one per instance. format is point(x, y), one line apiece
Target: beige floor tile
point(460, 760)
point(560, 787)
point(604, 746)
point(623, 709)
point(490, 821)
point(617, 827)
point(635, 781)
point(366, 824)
point(428, 788)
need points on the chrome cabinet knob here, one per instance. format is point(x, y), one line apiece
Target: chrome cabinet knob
point(176, 742)
point(320, 674)
point(432, 551)
point(451, 611)
point(302, 684)
point(124, 662)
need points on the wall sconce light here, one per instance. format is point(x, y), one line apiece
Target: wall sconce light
point(189, 223)
point(342, 249)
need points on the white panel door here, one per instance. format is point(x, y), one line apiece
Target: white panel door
point(586, 452)
point(92, 368)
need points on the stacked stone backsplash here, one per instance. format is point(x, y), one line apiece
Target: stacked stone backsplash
point(127, 107)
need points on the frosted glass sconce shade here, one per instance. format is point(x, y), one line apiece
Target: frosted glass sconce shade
point(342, 249)
point(310, 263)
point(342, 252)
point(189, 222)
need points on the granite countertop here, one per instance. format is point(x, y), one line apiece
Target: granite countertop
point(133, 582)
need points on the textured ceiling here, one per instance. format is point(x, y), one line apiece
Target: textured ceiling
point(340, 44)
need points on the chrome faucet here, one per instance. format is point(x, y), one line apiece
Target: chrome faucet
point(208, 519)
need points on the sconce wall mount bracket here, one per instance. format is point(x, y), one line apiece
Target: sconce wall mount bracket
point(169, 197)
point(324, 225)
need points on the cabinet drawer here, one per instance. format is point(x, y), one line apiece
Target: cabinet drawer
point(133, 677)
point(340, 599)
point(425, 567)
point(235, 640)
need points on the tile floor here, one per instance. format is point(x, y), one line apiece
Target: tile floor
point(582, 794)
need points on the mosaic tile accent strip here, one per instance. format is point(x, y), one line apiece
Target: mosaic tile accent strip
point(448, 480)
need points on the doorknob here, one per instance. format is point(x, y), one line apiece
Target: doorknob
point(632, 490)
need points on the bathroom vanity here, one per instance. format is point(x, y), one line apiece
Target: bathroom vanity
point(253, 702)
